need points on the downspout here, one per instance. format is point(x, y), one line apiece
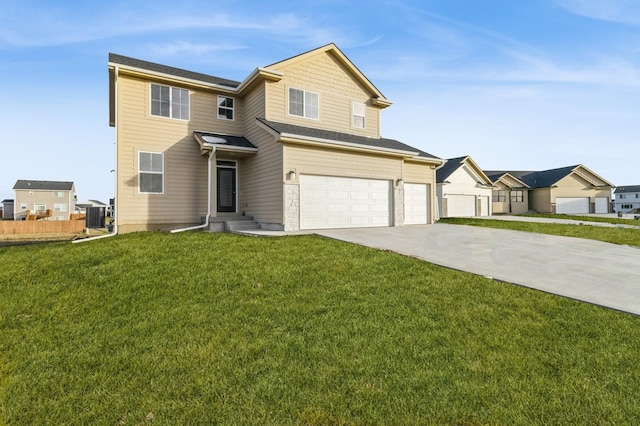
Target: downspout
point(115, 171)
point(206, 220)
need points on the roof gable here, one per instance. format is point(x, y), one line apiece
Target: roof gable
point(551, 177)
point(43, 185)
point(506, 179)
point(332, 49)
point(454, 164)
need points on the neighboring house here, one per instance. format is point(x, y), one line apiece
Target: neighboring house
point(47, 199)
point(463, 189)
point(566, 190)
point(81, 206)
point(511, 195)
point(7, 208)
point(296, 145)
point(627, 198)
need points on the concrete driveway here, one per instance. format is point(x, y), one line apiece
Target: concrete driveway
point(592, 271)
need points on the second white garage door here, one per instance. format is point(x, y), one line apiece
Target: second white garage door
point(341, 202)
point(416, 204)
point(461, 205)
point(569, 205)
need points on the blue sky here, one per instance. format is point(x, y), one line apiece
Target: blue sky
point(519, 85)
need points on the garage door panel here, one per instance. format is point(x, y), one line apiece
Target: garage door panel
point(461, 205)
point(415, 204)
point(602, 205)
point(572, 205)
point(341, 202)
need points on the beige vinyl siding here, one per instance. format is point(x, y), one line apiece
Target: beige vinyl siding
point(261, 183)
point(330, 162)
point(337, 89)
point(540, 200)
point(185, 170)
point(502, 206)
point(573, 186)
point(43, 197)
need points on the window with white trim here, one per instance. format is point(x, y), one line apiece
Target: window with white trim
point(58, 194)
point(59, 207)
point(167, 101)
point(622, 196)
point(23, 206)
point(225, 107)
point(39, 207)
point(358, 110)
point(303, 103)
point(150, 172)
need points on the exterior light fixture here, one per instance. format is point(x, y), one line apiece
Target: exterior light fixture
point(292, 174)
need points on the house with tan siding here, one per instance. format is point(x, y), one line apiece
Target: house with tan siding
point(510, 196)
point(42, 199)
point(296, 145)
point(565, 190)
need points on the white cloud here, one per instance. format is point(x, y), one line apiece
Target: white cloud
point(620, 11)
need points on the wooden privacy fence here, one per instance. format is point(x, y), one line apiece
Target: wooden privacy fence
point(41, 226)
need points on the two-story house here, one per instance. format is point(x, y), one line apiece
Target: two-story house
point(296, 145)
point(43, 199)
point(627, 199)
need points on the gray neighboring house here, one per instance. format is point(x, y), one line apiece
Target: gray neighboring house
point(627, 198)
point(54, 200)
point(7, 208)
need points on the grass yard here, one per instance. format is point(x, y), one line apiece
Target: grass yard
point(199, 328)
point(625, 236)
point(604, 219)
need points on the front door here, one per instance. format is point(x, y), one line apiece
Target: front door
point(226, 186)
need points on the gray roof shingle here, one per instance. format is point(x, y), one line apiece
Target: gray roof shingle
point(239, 141)
point(43, 185)
point(176, 72)
point(449, 167)
point(626, 189)
point(383, 143)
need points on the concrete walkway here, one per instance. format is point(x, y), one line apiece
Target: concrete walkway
point(587, 270)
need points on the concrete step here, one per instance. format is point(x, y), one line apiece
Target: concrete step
point(240, 225)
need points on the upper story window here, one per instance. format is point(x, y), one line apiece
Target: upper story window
point(150, 172)
point(303, 103)
point(59, 207)
point(622, 196)
point(58, 194)
point(225, 108)
point(169, 101)
point(358, 110)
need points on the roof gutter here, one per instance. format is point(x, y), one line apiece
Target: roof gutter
point(206, 220)
point(116, 70)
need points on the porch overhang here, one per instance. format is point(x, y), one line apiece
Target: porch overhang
point(235, 145)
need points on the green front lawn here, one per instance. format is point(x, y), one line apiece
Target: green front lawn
point(625, 236)
point(605, 219)
point(200, 328)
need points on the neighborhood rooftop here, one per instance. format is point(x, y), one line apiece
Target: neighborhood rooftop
point(176, 72)
point(44, 185)
point(627, 188)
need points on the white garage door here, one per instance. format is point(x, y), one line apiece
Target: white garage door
point(340, 202)
point(416, 204)
point(484, 205)
point(461, 205)
point(602, 205)
point(572, 205)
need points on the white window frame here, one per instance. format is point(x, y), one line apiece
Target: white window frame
point(60, 207)
point(306, 113)
point(152, 172)
point(36, 205)
point(358, 111)
point(223, 99)
point(23, 206)
point(174, 113)
point(58, 194)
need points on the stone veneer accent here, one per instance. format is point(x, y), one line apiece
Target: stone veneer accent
point(398, 206)
point(291, 207)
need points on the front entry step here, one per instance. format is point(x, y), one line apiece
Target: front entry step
point(233, 224)
point(240, 225)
